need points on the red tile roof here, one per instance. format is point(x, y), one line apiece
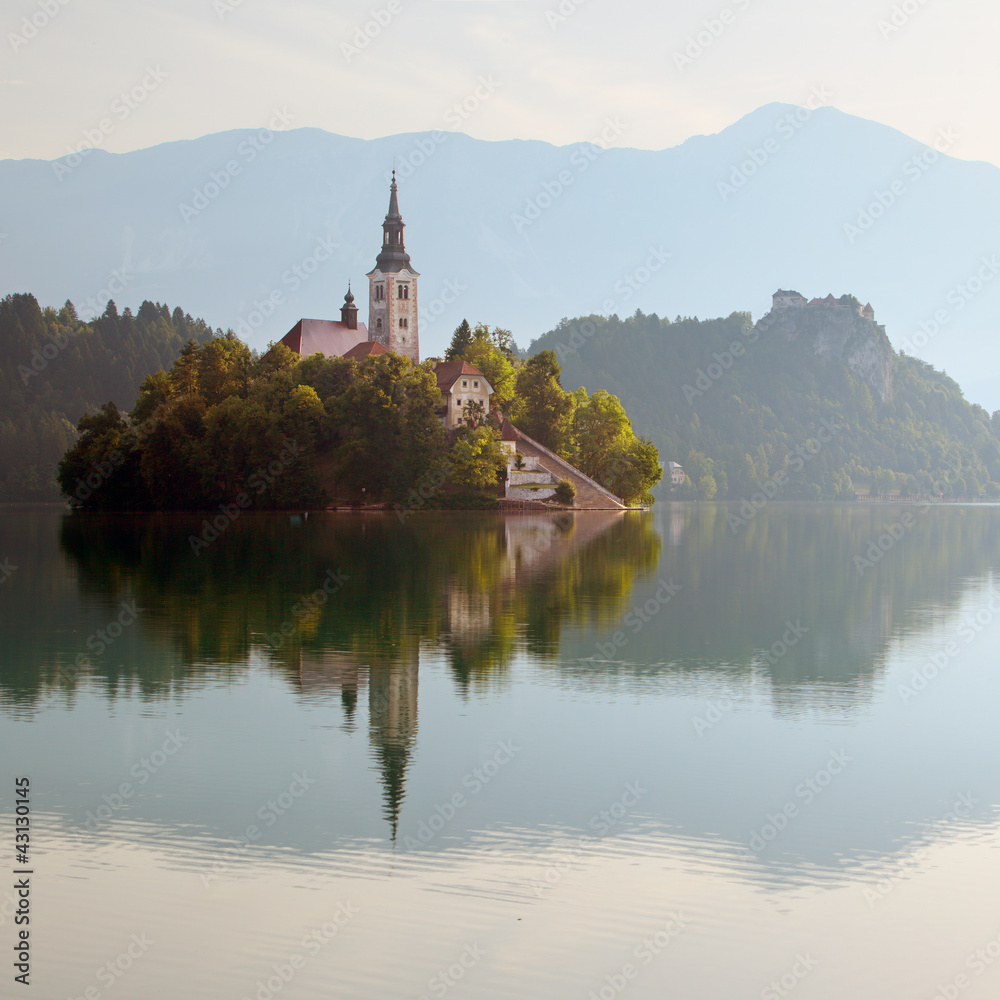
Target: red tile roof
point(324, 336)
point(449, 372)
point(508, 432)
point(365, 350)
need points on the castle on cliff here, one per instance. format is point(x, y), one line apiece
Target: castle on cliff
point(782, 299)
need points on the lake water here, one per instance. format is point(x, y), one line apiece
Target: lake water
point(596, 755)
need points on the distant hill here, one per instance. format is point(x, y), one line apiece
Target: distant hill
point(55, 368)
point(812, 401)
point(519, 234)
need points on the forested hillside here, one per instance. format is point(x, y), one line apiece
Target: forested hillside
point(54, 368)
point(738, 404)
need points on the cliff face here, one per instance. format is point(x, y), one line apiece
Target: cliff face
point(838, 332)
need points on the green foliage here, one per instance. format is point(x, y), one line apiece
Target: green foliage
point(565, 493)
point(489, 355)
point(635, 469)
point(754, 417)
point(601, 428)
point(389, 432)
point(461, 341)
point(493, 352)
point(212, 420)
point(54, 368)
point(607, 449)
point(475, 459)
point(221, 425)
point(542, 408)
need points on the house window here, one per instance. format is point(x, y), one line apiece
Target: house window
point(475, 384)
point(465, 384)
point(403, 291)
point(458, 402)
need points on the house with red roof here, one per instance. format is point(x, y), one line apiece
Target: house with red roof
point(460, 384)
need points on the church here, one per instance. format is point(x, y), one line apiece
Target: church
point(532, 470)
point(392, 324)
point(392, 306)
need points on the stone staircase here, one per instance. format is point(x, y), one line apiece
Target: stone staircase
point(589, 495)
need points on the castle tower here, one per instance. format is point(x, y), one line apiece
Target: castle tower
point(392, 289)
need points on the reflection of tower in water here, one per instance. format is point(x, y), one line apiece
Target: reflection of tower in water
point(323, 673)
point(392, 725)
point(392, 709)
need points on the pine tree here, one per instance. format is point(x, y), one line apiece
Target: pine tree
point(461, 341)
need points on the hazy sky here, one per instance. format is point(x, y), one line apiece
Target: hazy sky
point(544, 69)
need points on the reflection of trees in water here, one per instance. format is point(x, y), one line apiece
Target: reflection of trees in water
point(476, 585)
point(795, 563)
point(480, 587)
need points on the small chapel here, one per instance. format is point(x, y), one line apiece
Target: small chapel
point(392, 306)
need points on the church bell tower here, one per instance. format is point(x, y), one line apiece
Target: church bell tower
point(392, 289)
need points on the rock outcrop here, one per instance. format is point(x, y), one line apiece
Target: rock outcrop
point(838, 332)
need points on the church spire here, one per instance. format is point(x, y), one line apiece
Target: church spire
point(393, 213)
point(393, 316)
point(393, 256)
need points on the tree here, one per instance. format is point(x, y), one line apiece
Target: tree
point(495, 364)
point(603, 432)
point(223, 369)
point(474, 413)
point(390, 434)
point(154, 391)
point(707, 488)
point(476, 459)
point(184, 374)
point(542, 408)
point(172, 459)
point(461, 341)
point(98, 472)
point(505, 343)
point(634, 471)
point(565, 493)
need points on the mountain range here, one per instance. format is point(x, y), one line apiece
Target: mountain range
point(254, 229)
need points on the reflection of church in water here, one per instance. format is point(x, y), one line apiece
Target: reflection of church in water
point(533, 546)
point(392, 709)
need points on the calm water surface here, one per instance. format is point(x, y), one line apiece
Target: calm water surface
point(601, 755)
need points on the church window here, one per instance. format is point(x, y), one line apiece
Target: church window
point(403, 323)
point(380, 291)
point(378, 323)
point(403, 291)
